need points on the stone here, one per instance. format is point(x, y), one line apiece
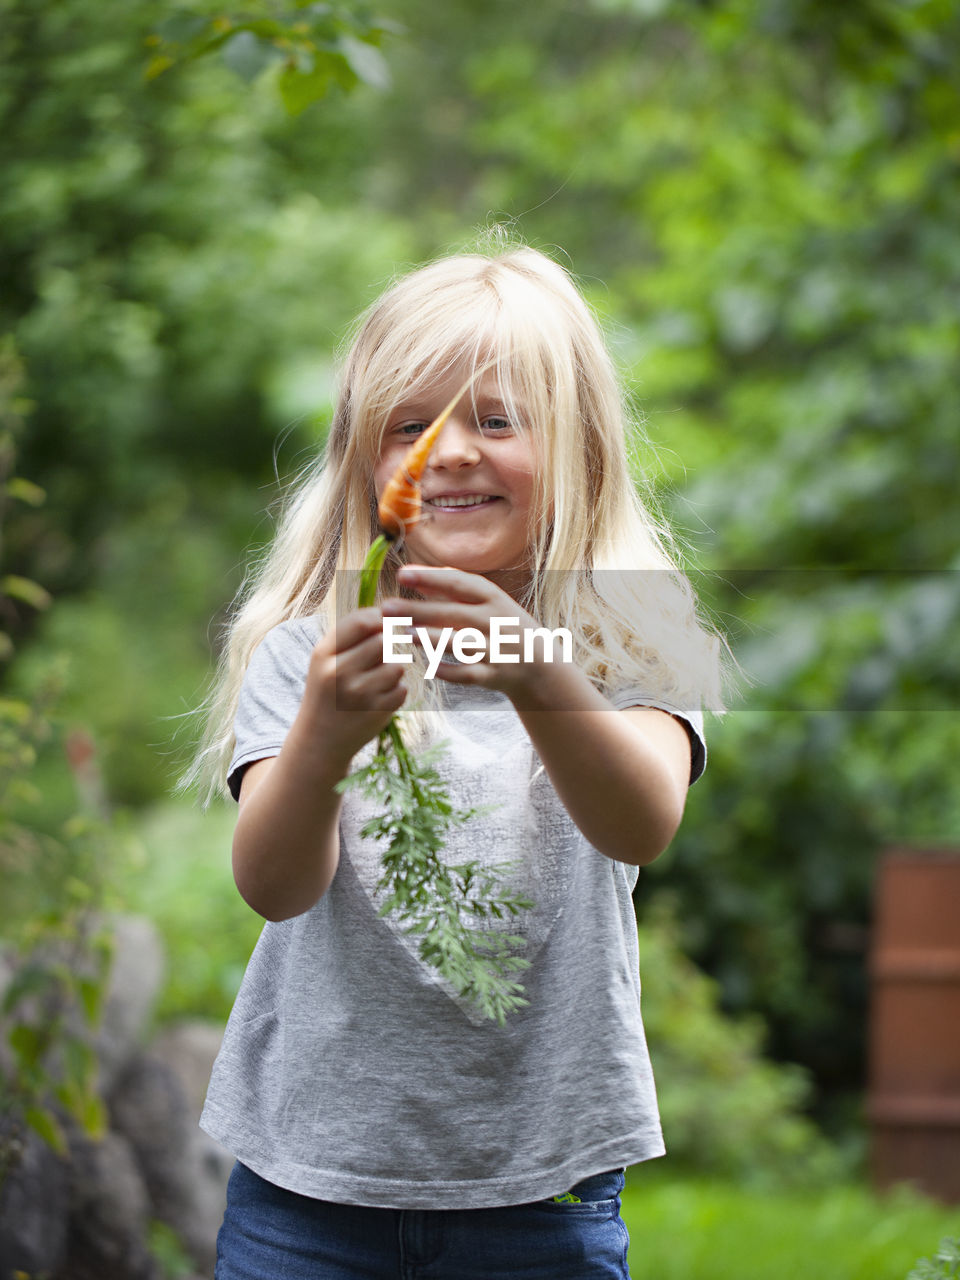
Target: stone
point(185, 1172)
point(136, 978)
point(34, 1207)
point(189, 1049)
point(149, 1108)
point(109, 1213)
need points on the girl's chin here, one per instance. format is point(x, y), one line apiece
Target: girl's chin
point(470, 560)
point(486, 566)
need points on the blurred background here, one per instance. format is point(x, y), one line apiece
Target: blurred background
point(759, 198)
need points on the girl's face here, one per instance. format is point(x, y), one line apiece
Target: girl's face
point(478, 485)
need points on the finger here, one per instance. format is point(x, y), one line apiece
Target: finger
point(459, 673)
point(443, 613)
point(365, 654)
point(384, 678)
point(355, 628)
point(371, 696)
point(454, 584)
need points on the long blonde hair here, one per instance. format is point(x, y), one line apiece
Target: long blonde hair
point(602, 565)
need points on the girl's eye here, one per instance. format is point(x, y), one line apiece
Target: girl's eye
point(411, 428)
point(497, 425)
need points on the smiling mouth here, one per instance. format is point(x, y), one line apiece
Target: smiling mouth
point(450, 502)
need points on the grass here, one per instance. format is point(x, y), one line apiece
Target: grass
point(692, 1229)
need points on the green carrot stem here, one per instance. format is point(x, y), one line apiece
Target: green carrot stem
point(483, 969)
point(369, 577)
point(404, 763)
point(370, 573)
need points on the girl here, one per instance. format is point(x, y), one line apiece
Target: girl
point(381, 1127)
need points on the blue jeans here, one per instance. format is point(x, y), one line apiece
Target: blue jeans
point(272, 1234)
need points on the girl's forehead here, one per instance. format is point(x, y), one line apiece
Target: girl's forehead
point(478, 384)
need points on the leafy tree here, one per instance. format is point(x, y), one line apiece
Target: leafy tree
point(309, 47)
point(174, 290)
point(774, 186)
point(766, 190)
point(162, 271)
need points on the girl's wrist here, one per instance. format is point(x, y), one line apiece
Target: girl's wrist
point(319, 753)
point(550, 686)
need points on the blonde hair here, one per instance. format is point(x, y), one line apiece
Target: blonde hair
point(602, 564)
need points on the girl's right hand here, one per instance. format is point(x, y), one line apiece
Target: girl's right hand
point(351, 691)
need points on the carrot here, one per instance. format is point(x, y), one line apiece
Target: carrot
point(399, 508)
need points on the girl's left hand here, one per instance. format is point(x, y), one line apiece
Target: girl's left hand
point(455, 600)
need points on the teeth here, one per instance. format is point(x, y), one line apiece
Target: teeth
point(473, 501)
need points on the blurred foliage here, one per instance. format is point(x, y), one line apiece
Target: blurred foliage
point(767, 190)
point(726, 1110)
point(178, 873)
point(168, 1252)
point(54, 950)
point(309, 47)
point(705, 1229)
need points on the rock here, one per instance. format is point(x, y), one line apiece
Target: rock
point(185, 1171)
point(7, 969)
point(149, 1108)
point(109, 1214)
point(34, 1206)
point(189, 1049)
point(87, 1218)
point(136, 977)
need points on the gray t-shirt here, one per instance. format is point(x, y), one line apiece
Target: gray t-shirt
point(351, 1073)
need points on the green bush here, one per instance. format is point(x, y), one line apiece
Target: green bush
point(726, 1110)
point(54, 948)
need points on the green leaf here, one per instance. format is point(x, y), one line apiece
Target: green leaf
point(24, 589)
point(91, 997)
point(248, 56)
point(157, 65)
point(28, 980)
point(28, 1045)
point(80, 1063)
point(15, 711)
point(26, 491)
point(300, 90)
point(46, 1125)
point(367, 62)
point(92, 1115)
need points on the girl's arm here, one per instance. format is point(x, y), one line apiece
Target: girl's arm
point(285, 846)
point(621, 775)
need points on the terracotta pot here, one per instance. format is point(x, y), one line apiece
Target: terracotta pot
point(914, 1089)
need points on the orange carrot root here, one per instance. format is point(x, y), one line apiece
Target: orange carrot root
point(400, 508)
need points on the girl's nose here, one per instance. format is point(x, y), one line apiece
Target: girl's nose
point(456, 446)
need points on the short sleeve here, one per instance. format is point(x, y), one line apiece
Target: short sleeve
point(271, 694)
point(690, 717)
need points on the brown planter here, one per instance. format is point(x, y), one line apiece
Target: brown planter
point(914, 1093)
